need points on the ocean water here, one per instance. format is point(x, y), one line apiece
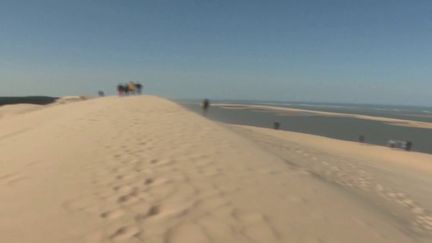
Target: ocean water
point(417, 113)
point(343, 128)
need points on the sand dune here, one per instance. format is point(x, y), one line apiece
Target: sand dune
point(399, 182)
point(143, 169)
point(12, 110)
point(17, 109)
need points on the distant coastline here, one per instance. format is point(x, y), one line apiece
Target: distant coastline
point(389, 120)
point(376, 127)
point(37, 100)
point(403, 112)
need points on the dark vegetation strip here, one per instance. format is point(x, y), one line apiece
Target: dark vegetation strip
point(37, 100)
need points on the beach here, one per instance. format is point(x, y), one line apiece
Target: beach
point(393, 121)
point(145, 169)
point(342, 125)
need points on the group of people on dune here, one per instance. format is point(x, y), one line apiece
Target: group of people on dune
point(130, 88)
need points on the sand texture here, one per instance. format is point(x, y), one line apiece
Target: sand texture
point(143, 169)
point(12, 110)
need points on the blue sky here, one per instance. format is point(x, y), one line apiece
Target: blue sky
point(364, 51)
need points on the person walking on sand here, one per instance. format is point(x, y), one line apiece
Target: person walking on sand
point(205, 105)
point(120, 90)
point(126, 89)
point(138, 88)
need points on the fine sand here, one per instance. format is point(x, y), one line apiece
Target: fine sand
point(143, 169)
point(12, 110)
point(398, 182)
point(392, 121)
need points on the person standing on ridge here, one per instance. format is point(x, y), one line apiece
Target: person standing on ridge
point(132, 87)
point(138, 88)
point(120, 90)
point(205, 105)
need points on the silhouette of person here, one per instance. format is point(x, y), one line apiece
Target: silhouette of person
point(126, 89)
point(131, 87)
point(138, 88)
point(120, 90)
point(205, 105)
point(408, 146)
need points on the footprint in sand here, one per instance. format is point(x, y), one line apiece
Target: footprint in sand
point(125, 233)
point(154, 210)
point(129, 197)
point(11, 179)
point(112, 214)
point(151, 212)
point(148, 181)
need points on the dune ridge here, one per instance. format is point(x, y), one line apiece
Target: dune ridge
point(144, 169)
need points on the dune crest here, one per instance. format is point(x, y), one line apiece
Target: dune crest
point(70, 99)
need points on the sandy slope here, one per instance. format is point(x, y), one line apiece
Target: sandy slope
point(17, 109)
point(143, 169)
point(12, 110)
point(399, 182)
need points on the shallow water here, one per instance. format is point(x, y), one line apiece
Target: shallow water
point(343, 128)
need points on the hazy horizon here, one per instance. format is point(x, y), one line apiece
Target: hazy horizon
point(294, 102)
point(339, 51)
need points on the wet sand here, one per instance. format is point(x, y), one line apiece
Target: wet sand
point(337, 127)
point(391, 121)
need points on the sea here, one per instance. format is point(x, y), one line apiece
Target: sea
point(343, 128)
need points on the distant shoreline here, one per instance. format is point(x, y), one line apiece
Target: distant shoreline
point(390, 121)
point(342, 126)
